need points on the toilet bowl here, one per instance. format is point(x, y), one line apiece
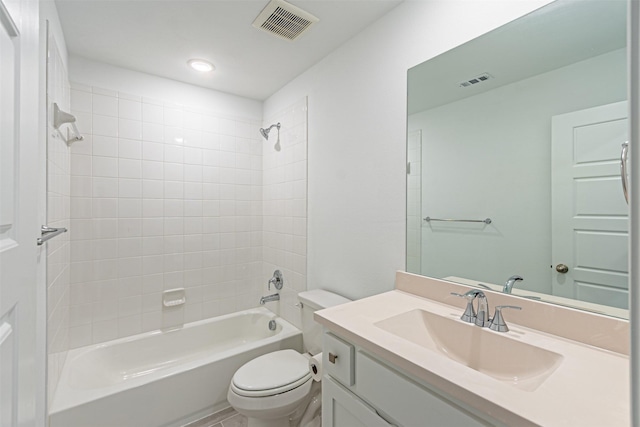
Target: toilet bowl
point(276, 389)
point(271, 388)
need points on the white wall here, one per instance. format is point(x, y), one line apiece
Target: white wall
point(357, 137)
point(501, 152)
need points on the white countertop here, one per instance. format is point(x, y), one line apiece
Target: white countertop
point(590, 387)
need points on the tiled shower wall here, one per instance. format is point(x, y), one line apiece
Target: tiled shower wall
point(285, 206)
point(58, 213)
point(163, 196)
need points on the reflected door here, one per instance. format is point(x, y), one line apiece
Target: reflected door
point(590, 235)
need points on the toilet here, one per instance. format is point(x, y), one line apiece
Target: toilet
point(276, 389)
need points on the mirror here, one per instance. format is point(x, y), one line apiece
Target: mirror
point(514, 145)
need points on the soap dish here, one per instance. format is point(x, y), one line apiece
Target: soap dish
point(173, 297)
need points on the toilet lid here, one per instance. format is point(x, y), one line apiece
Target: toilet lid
point(272, 371)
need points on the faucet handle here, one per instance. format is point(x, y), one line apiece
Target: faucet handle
point(497, 323)
point(469, 314)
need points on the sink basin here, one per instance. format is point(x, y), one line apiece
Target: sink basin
point(513, 362)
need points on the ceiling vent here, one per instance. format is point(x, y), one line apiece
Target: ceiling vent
point(477, 79)
point(284, 20)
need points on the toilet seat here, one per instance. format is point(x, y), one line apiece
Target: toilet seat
point(271, 374)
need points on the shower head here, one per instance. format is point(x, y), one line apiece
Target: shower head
point(265, 132)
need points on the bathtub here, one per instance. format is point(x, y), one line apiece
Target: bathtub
point(164, 378)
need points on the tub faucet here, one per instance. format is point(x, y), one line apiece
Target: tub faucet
point(269, 298)
point(508, 286)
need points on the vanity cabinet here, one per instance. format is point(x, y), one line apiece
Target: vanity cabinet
point(359, 389)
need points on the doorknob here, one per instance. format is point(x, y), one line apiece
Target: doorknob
point(561, 268)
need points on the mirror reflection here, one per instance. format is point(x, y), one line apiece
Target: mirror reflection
point(514, 158)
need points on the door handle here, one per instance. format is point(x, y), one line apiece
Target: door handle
point(562, 268)
point(623, 170)
point(47, 233)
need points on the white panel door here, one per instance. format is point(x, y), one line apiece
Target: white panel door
point(589, 213)
point(19, 361)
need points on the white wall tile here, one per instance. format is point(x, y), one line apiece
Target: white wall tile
point(152, 189)
point(130, 188)
point(130, 208)
point(173, 171)
point(173, 117)
point(128, 109)
point(81, 186)
point(152, 151)
point(129, 149)
point(130, 129)
point(152, 113)
point(105, 187)
point(105, 167)
point(152, 170)
point(153, 227)
point(128, 168)
point(173, 197)
point(152, 208)
point(81, 101)
point(152, 132)
point(80, 165)
point(105, 125)
point(174, 153)
point(105, 146)
point(105, 105)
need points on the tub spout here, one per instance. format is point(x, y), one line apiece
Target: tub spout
point(268, 298)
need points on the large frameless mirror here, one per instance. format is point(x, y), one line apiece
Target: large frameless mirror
point(514, 158)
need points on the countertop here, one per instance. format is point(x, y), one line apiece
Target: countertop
point(590, 387)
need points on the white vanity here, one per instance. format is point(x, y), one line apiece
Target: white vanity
point(405, 358)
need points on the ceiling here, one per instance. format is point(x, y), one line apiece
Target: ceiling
point(159, 36)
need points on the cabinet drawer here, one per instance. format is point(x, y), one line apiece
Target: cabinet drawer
point(338, 359)
point(405, 401)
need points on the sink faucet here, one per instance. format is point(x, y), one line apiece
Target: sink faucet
point(497, 323)
point(481, 318)
point(269, 298)
point(508, 286)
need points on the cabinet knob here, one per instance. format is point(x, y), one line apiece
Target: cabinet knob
point(332, 358)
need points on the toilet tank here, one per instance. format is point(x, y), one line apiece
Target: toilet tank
point(316, 299)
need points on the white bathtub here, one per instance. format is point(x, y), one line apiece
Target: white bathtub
point(164, 378)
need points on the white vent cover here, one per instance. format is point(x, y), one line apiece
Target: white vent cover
point(284, 20)
point(477, 79)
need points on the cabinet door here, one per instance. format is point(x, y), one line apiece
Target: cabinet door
point(341, 408)
point(407, 402)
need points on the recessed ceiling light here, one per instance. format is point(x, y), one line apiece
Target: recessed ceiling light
point(201, 65)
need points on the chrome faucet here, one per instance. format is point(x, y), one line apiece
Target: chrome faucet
point(481, 318)
point(508, 286)
point(497, 323)
point(269, 298)
point(276, 280)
